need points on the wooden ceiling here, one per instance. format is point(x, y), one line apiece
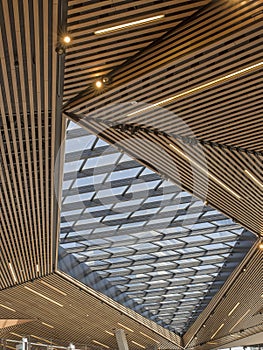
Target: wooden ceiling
point(183, 96)
point(30, 139)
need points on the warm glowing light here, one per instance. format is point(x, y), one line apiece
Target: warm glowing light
point(257, 182)
point(48, 325)
point(12, 272)
point(234, 308)
point(45, 340)
point(54, 288)
point(16, 335)
point(7, 307)
point(122, 325)
point(241, 318)
point(97, 342)
point(201, 87)
point(67, 39)
point(147, 336)
point(128, 25)
point(141, 346)
point(110, 333)
point(43, 296)
point(222, 325)
point(219, 182)
point(260, 246)
point(98, 84)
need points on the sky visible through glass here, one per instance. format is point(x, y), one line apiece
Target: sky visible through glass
point(156, 246)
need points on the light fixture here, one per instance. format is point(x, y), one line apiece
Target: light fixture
point(46, 324)
point(260, 245)
point(16, 335)
point(122, 325)
point(98, 84)
point(141, 346)
point(66, 39)
point(147, 336)
point(54, 288)
point(110, 333)
point(43, 296)
point(200, 87)
point(45, 340)
point(97, 342)
point(241, 318)
point(128, 25)
point(7, 307)
point(256, 181)
point(219, 182)
point(12, 272)
point(234, 308)
point(222, 325)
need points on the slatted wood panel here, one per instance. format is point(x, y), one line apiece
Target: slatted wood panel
point(213, 49)
point(225, 38)
point(80, 316)
point(246, 288)
point(28, 36)
point(92, 56)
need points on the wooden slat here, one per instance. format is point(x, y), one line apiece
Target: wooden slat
point(26, 136)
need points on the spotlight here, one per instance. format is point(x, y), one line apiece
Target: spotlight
point(98, 84)
point(105, 80)
point(66, 39)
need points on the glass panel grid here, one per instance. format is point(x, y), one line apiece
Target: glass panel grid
point(141, 235)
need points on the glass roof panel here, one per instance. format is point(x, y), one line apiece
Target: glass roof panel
point(141, 236)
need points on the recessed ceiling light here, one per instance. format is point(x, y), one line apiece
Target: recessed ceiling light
point(43, 296)
point(46, 324)
point(16, 335)
point(234, 308)
point(7, 307)
point(12, 272)
point(219, 182)
point(54, 288)
point(241, 318)
point(97, 342)
point(110, 333)
point(98, 84)
point(122, 325)
point(222, 325)
point(147, 336)
point(128, 25)
point(45, 340)
point(256, 181)
point(260, 246)
point(141, 346)
point(66, 39)
point(197, 88)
